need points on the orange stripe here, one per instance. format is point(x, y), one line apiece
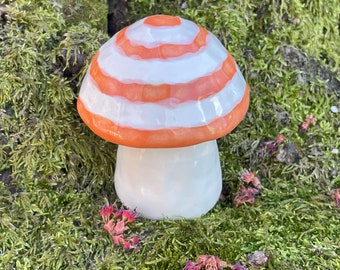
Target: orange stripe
point(181, 92)
point(163, 51)
point(162, 20)
point(164, 138)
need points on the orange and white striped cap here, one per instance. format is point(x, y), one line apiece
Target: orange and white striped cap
point(163, 82)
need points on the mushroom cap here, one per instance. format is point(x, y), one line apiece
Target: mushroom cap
point(163, 82)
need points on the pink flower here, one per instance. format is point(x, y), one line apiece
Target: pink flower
point(118, 239)
point(115, 224)
point(335, 193)
point(109, 226)
point(256, 182)
point(119, 228)
point(249, 177)
point(207, 262)
point(280, 138)
point(246, 195)
point(310, 119)
point(202, 258)
point(106, 212)
point(132, 243)
point(126, 245)
point(135, 240)
point(128, 216)
point(191, 266)
point(212, 263)
point(305, 125)
point(337, 198)
point(118, 214)
point(238, 266)
point(269, 147)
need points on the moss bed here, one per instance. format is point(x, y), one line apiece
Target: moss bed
point(55, 173)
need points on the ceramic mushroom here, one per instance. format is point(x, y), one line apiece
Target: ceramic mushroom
point(164, 89)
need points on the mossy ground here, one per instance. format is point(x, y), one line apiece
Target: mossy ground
point(55, 172)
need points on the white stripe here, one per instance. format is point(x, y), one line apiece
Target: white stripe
point(157, 116)
point(157, 71)
point(150, 36)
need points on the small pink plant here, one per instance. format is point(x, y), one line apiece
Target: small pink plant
point(106, 212)
point(249, 189)
point(249, 177)
point(238, 266)
point(305, 125)
point(310, 119)
point(115, 224)
point(269, 147)
point(190, 265)
point(335, 193)
point(209, 262)
point(246, 195)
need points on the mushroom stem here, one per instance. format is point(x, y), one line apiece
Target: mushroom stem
point(173, 183)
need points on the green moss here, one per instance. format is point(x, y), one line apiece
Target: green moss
point(74, 12)
point(55, 172)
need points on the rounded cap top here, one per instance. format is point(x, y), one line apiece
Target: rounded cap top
point(163, 82)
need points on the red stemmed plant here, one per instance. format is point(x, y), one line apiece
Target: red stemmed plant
point(209, 262)
point(335, 193)
point(249, 189)
point(116, 221)
point(269, 147)
point(305, 125)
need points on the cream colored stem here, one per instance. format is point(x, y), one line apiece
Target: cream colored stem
point(173, 183)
